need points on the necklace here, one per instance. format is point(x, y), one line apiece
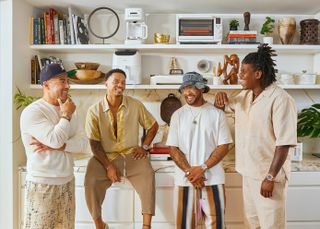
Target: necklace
point(194, 121)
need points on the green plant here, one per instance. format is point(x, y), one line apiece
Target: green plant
point(309, 122)
point(267, 26)
point(234, 23)
point(22, 100)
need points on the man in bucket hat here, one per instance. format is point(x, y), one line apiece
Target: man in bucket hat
point(51, 132)
point(198, 138)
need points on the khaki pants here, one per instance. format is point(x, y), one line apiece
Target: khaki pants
point(138, 172)
point(265, 213)
point(49, 206)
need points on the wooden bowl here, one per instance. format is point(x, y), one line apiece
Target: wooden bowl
point(98, 77)
point(85, 74)
point(87, 65)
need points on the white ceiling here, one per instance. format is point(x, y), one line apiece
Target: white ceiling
point(301, 7)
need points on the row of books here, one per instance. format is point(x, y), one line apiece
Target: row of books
point(242, 37)
point(53, 27)
point(37, 63)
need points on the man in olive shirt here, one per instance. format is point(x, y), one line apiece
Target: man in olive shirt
point(112, 126)
point(265, 128)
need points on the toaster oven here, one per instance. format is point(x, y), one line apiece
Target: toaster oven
point(198, 29)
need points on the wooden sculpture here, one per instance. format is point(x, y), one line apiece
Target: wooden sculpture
point(232, 76)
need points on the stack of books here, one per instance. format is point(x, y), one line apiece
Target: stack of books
point(160, 153)
point(242, 37)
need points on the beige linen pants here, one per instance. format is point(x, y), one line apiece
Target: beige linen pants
point(264, 213)
point(138, 172)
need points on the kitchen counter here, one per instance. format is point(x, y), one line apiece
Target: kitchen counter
point(309, 164)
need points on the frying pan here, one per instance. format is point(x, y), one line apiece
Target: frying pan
point(168, 106)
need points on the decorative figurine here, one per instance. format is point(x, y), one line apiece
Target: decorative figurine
point(232, 76)
point(174, 70)
point(246, 16)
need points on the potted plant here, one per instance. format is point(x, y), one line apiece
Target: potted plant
point(22, 100)
point(267, 29)
point(233, 24)
point(309, 123)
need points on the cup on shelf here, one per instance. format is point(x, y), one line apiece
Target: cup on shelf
point(286, 79)
point(306, 79)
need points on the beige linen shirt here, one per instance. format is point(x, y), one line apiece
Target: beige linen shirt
point(131, 114)
point(261, 125)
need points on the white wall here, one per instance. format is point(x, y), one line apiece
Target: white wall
point(6, 160)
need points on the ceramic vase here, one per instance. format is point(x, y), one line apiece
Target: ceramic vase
point(286, 29)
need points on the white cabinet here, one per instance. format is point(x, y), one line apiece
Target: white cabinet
point(122, 209)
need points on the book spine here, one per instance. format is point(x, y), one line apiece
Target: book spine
point(61, 32)
point(43, 35)
point(35, 31)
point(31, 30)
point(56, 29)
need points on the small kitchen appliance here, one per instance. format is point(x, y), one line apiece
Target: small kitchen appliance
point(136, 29)
point(198, 29)
point(130, 62)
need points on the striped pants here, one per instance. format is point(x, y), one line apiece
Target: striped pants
point(195, 207)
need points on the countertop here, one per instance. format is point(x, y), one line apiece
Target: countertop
point(309, 164)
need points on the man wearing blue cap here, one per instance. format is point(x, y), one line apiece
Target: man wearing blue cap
point(198, 138)
point(51, 132)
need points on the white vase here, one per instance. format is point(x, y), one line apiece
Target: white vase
point(268, 40)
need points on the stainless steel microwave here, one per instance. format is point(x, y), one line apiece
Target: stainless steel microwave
point(198, 29)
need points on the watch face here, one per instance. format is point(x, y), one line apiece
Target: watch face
point(269, 177)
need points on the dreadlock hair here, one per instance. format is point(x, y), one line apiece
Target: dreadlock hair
point(261, 60)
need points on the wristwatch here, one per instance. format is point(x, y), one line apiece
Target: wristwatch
point(204, 167)
point(146, 147)
point(269, 177)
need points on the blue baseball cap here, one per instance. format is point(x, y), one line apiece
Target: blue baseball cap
point(194, 79)
point(50, 71)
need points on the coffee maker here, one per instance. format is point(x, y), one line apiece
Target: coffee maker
point(136, 29)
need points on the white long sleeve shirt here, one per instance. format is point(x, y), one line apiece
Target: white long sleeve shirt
point(42, 121)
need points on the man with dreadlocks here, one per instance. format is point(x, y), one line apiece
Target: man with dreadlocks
point(265, 128)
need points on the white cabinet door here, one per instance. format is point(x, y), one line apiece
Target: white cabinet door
point(117, 206)
point(164, 206)
point(234, 201)
point(164, 214)
point(234, 205)
point(303, 203)
point(303, 225)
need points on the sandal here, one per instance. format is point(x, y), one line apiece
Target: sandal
point(145, 225)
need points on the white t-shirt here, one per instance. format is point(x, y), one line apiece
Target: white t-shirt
point(42, 121)
point(197, 131)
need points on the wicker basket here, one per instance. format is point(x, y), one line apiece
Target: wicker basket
point(309, 31)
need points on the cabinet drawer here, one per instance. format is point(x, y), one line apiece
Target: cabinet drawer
point(303, 203)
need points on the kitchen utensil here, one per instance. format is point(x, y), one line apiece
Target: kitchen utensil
point(168, 106)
